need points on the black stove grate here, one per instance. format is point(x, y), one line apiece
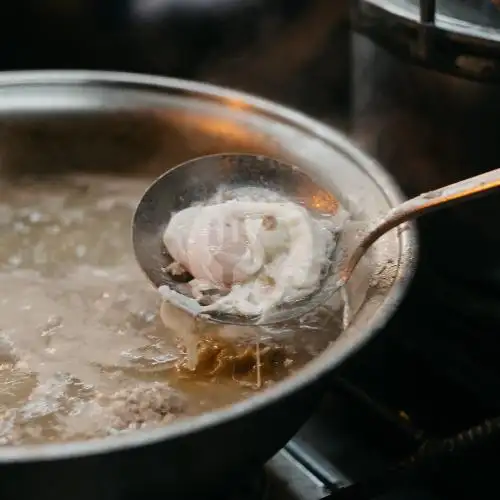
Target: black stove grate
point(443, 461)
point(433, 461)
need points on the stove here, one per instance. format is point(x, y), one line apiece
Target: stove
point(415, 414)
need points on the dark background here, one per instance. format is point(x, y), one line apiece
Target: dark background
point(294, 51)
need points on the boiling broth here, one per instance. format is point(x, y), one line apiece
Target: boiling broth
point(82, 351)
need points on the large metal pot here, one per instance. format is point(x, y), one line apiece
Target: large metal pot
point(62, 121)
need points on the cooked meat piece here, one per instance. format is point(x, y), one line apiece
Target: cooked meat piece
point(144, 405)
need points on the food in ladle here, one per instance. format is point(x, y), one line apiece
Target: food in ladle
point(247, 257)
point(83, 353)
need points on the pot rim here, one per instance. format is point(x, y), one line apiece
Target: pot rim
point(315, 369)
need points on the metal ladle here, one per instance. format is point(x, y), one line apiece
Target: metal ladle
point(198, 180)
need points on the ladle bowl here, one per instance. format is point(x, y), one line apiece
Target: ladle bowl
point(197, 181)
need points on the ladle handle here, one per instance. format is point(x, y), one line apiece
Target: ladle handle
point(426, 202)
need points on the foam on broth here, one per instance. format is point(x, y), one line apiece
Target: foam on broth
point(82, 351)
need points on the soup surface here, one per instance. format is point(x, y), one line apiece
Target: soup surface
point(83, 352)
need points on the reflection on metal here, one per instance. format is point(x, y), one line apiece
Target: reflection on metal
point(324, 202)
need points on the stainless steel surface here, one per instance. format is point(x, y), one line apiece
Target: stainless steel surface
point(290, 479)
point(61, 122)
point(197, 181)
point(466, 18)
point(450, 36)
